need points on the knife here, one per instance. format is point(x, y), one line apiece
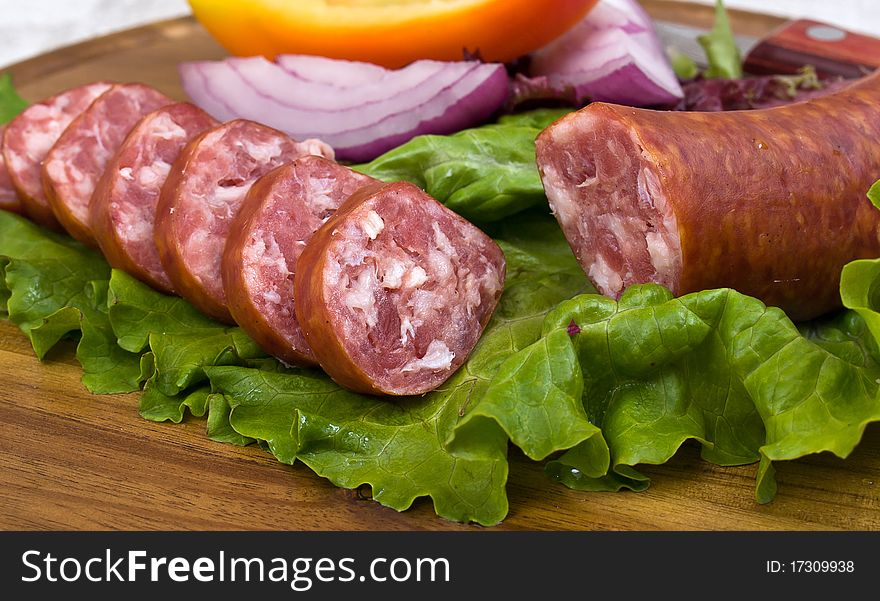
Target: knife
point(833, 51)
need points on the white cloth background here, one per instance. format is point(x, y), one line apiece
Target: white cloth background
point(29, 27)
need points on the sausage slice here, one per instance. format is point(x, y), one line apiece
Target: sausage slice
point(123, 208)
point(76, 162)
point(201, 197)
point(394, 291)
point(278, 217)
point(8, 197)
point(29, 137)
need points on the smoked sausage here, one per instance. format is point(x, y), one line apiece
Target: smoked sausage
point(201, 196)
point(28, 139)
point(769, 202)
point(78, 158)
point(123, 208)
point(277, 218)
point(394, 291)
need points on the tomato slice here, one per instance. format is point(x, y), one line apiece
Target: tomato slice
point(391, 33)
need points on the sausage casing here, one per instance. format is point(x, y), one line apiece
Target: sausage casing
point(769, 202)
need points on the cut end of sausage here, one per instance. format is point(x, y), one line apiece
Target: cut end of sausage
point(123, 208)
point(608, 197)
point(77, 161)
point(30, 136)
point(279, 215)
point(395, 290)
point(201, 197)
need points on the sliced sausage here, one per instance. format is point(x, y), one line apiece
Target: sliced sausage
point(8, 198)
point(76, 162)
point(769, 202)
point(394, 291)
point(201, 196)
point(29, 137)
point(123, 208)
point(278, 217)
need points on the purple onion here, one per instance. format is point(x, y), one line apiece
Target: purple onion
point(612, 55)
point(360, 109)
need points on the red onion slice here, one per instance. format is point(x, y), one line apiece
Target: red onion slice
point(360, 109)
point(336, 73)
point(612, 55)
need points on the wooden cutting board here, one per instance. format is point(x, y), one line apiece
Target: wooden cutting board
point(70, 460)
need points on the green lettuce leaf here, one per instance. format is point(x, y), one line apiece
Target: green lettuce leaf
point(11, 104)
point(4, 289)
point(721, 50)
point(400, 447)
point(182, 341)
point(219, 427)
point(107, 367)
point(395, 447)
point(484, 174)
point(55, 287)
point(860, 291)
point(137, 311)
point(158, 407)
point(44, 274)
point(685, 67)
point(539, 118)
point(874, 194)
point(181, 359)
point(646, 374)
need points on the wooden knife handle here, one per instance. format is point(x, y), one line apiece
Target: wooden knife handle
point(831, 50)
